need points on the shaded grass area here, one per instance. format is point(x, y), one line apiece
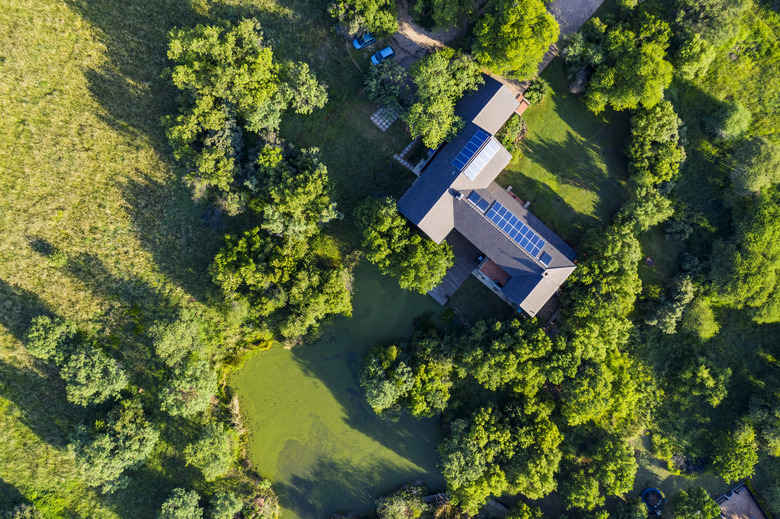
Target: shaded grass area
point(96, 226)
point(313, 431)
point(653, 473)
point(572, 168)
point(665, 255)
point(478, 302)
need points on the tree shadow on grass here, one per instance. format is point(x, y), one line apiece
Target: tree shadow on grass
point(32, 385)
point(583, 171)
point(141, 304)
point(135, 97)
point(547, 205)
point(135, 36)
point(183, 236)
point(10, 496)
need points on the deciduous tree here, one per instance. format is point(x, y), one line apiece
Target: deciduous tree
point(416, 262)
point(214, 452)
point(736, 454)
point(181, 504)
point(123, 441)
point(189, 388)
point(291, 191)
point(695, 504)
point(92, 377)
point(376, 16)
point(441, 79)
point(512, 37)
point(756, 166)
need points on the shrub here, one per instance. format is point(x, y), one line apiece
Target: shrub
point(214, 452)
point(700, 320)
point(181, 504)
point(406, 503)
point(225, 506)
point(514, 128)
point(537, 91)
point(736, 454)
point(188, 391)
point(696, 504)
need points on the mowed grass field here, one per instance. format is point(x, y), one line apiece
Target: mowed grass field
point(572, 165)
point(95, 225)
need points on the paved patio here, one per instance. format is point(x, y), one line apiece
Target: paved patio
point(384, 117)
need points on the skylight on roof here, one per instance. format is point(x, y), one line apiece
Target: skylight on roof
point(470, 149)
point(481, 160)
point(545, 259)
point(478, 201)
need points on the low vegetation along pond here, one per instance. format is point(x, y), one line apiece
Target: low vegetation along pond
point(311, 430)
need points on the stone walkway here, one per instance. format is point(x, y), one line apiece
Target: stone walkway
point(401, 157)
point(384, 117)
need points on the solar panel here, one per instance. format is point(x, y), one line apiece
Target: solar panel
point(481, 160)
point(478, 201)
point(468, 151)
point(517, 231)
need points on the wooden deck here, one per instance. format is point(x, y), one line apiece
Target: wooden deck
point(466, 256)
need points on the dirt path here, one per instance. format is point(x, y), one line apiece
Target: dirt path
point(412, 42)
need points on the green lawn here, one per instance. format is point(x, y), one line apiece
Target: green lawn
point(476, 302)
point(572, 168)
point(664, 253)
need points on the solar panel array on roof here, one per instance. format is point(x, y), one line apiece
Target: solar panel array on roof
point(468, 151)
point(480, 161)
point(478, 201)
point(515, 229)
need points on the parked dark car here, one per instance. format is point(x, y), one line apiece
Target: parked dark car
point(363, 41)
point(382, 55)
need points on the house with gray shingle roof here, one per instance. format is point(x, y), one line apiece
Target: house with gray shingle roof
point(455, 196)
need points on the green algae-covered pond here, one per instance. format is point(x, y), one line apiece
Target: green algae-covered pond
point(311, 430)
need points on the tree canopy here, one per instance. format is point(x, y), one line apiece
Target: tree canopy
point(214, 452)
point(91, 376)
point(291, 191)
point(441, 79)
point(415, 261)
point(230, 82)
point(280, 274)
point(181, 504)
point(756, 166)
point(376, 16)
point(494, 452)
point(626, 63)
point(123, 441)
point(190, 387)
point(505, 24)
point(696, 504)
